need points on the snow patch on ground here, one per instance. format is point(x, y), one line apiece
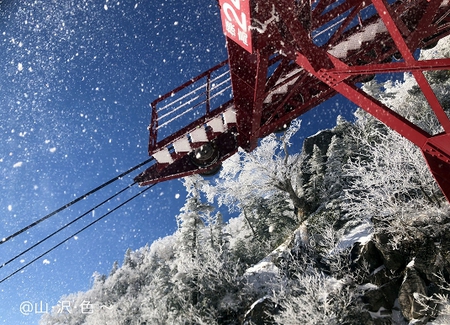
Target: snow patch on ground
point(259, 301)
point(411, 263)
point(381, 313)
point(265, 265)
point(367, 287)
point(378, 269)
point(264, 271)
point(360, 234)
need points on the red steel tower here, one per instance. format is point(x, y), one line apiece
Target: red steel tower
point(285, 58)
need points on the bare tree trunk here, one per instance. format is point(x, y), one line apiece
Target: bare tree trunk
point(300, 203)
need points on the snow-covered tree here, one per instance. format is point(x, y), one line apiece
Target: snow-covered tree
point(390, 175)
point(315, 299)
point(114, 268)
point(333, 178)
point(270, 168)
point(315, 170)
point(313, 294)
point(265, 187)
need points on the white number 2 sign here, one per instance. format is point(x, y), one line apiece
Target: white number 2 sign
point(235, 16)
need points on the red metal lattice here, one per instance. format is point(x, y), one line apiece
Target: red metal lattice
point(303, 53)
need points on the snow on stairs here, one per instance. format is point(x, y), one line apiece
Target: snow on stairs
point(355, 41)
point(340, 51)
point(196, 137)
point(283, 86)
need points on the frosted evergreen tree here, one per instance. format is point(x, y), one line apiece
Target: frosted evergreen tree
point(204, 276)
point(114, 268)
point(390, 179)
point(129, 260)
point(343, 130)
point(333, 179)
point(315, 168)
point(270, 168)
point(390, 176)
point(190, 225)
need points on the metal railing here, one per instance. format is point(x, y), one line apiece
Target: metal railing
point(173, 112)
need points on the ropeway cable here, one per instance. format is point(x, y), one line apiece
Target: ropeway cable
point(76, 233)
point(67, 225)
point(5, 239)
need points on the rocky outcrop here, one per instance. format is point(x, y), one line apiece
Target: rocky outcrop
point(409, 276)
point(412, 287)
point(321, 139)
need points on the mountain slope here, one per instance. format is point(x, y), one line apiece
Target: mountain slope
point(352, 230)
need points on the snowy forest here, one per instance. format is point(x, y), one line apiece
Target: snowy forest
point(351, 230)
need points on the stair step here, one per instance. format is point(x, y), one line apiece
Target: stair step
point(163, 156)
point(217, 124)
point(184, 144)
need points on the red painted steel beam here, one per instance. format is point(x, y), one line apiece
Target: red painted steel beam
point(374, 107)
point(248, 79)
point(347, 21)
point(437, 155)
point(316, 56)
point(319, 18)
point(283, 67)
point(425, 65)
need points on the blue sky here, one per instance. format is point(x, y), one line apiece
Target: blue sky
point(77, 80)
